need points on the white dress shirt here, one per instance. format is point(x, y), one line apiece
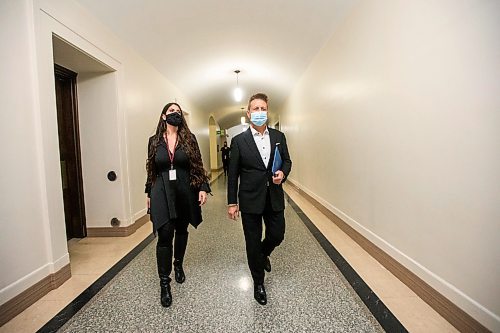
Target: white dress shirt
point(263, 142)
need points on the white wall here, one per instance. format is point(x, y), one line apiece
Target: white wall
point(212, 129)
point(22, 205)
point(235, 130)
point(33, 240)
point(100, 150)
point(404, 99)
point(215, 140)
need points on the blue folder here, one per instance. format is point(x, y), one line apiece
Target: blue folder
point(277, 162)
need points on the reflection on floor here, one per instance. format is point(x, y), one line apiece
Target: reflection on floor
point(91, 257)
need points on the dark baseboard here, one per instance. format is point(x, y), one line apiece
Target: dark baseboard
point(117, 231)
point(24, 300)
point(451, 312)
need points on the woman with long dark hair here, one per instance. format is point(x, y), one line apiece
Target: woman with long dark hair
point(177, 187)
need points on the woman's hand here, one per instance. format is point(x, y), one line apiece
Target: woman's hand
point(202, 197)
point(233, 212)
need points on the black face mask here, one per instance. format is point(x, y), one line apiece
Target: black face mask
point(174, 119)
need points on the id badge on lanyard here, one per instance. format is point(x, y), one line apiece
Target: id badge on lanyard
point(172, 174)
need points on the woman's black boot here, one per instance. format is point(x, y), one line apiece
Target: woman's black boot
point(180, 245)
point(164, 262)
point(180, 277)
point(165, 295)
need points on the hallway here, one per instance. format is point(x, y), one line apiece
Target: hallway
point(306, 291)
point(390, 110)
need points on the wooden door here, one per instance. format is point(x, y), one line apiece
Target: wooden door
point(69, 148)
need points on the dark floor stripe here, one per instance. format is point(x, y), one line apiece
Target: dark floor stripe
point(384, 316)
point(71, 309)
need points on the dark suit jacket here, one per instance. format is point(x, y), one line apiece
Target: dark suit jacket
point(254, 177)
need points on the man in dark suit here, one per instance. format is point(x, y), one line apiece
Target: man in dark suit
point(260, 191)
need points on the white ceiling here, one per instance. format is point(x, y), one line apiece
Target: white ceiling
point(197, 44)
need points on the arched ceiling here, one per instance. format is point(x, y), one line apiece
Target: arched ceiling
point(197, 44)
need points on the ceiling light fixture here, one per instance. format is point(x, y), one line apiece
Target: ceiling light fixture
point(238, 94)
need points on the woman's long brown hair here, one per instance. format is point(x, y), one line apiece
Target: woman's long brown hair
point(187, 140)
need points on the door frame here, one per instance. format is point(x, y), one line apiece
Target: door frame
point(81, 230)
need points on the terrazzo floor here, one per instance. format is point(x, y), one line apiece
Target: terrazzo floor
point(91, 257)
point(306, 292)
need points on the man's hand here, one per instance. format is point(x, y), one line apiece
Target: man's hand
point(278, 177)
point(233, 212)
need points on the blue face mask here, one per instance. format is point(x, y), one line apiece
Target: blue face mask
point(258, 118)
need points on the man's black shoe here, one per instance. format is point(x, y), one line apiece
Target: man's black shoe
point(259, 293)
point(267, 264)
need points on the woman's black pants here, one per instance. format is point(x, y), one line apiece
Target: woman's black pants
point(164, 247)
